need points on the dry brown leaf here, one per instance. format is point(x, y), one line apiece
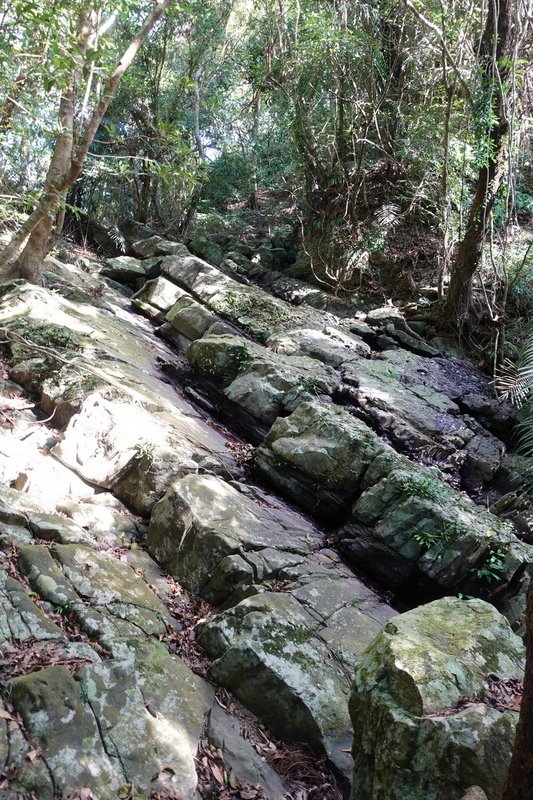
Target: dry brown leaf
point(217, 773)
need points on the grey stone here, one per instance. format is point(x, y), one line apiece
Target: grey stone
point(265, 652)
point(159, 295)
point(58, 719)
point(412, 737)
point(332, 346)
point(124, 269)
point(240, 757)
point(158, 246)
point(190, 318)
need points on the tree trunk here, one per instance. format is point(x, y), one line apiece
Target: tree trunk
point(31, 243)
point(190, 215)
point(497, 52)
point(519, 784)
point(253, 200)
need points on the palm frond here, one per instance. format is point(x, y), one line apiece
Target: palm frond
point(117, 238)
point(388, 215)
point(515, 379)
point(515, 383)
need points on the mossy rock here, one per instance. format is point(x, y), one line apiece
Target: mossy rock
point(414, 737)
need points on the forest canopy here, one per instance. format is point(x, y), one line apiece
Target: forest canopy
point(390, 140)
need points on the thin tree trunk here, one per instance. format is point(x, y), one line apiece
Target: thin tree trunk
point(519, 784)
point(497, 53)
point(67, 160)
point(36, 248)
point(254, 196)
point(197, 191)
point(55, 236)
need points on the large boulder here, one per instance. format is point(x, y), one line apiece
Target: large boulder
point(158, 246)
point(202, 525)
point(331, 345)
point(133, 230)
point(423, 719)
point(265, 652)
point(112, 727)
point(318, 456)
point(157, 296)
point(255, 311)
point(206, 248)
point(409, 527)
point(124, 269)
point(118, 445)
point(190, 318)
point(262, 383)
point(417, 402)
point(297, 644)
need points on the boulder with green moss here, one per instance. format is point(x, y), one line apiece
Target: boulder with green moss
point(263, 383)
point(206, 248)
point(190, 318)
point(255, 311)
point(287, 654)
point(265, 651)
point(113, 726)
point(318, 455)
point(423, 720)
point(409, 527)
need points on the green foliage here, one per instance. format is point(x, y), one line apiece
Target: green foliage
point(229, 179)
point(423, 486)
point(52, 336)
point(144, 451)
point(493, 566)
point(515, 382)
point(429, 539)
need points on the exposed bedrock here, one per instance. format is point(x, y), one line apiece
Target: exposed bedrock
point(348, 424)
point(406, 526)
point(294, 616)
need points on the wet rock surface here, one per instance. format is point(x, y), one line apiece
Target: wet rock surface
point(348, 411)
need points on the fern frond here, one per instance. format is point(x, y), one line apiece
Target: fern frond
point(524, 430)
point(515, 379)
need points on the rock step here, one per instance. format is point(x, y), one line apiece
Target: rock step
point(406, 527)
point(293, 619)
point(126, 429)
point(422, 403)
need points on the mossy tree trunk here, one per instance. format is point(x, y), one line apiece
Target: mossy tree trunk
point(497, 55)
